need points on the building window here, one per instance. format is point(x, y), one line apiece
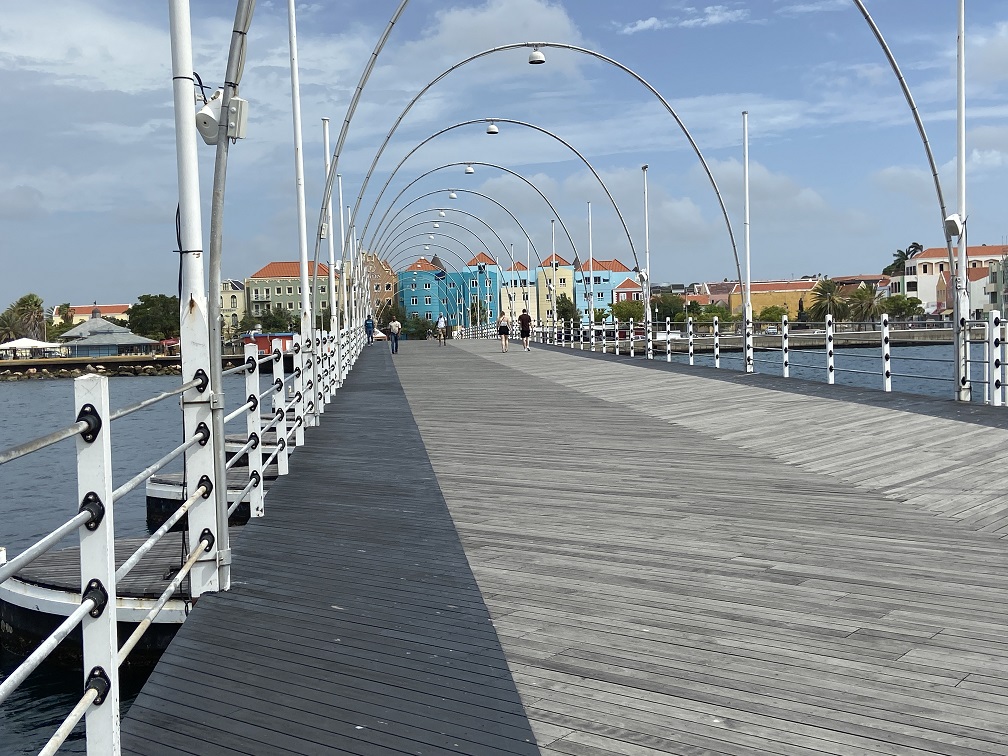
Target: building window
point(451, 284)
point(255, 308)
point(413, 301)
point(321, 289)
point(426, 300)
point(413, 286)
point(255, 293)
point(290, 290)
point(525, 296)
point(279, 290)
point(325, 304)
point(473, 298)
point(388, 287)
point(377, 287)
point(563, 281)
point(290, 305)
point(234, 302)
point(427, 285)
point(428, 316)
point(600, 295)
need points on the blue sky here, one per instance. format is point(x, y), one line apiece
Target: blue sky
point(839, 178)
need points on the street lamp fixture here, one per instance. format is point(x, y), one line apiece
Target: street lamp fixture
point(470, 170)
point(437, 225)
point(441, 213)
point(492, 128)
point(452, 195)
point(536, 58)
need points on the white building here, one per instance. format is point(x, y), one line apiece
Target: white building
point(923, 272)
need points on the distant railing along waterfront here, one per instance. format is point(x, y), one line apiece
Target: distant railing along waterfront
point(824, 349)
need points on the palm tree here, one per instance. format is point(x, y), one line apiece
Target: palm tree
point(30, 316)
point(827, 300)
point(8, 325)
point(900, 256)
point(865, 305)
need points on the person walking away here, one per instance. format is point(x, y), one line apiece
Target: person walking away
point(525, 327)
point(442, 325)
point(504, 329)
point(394, 328)
point(369, 330)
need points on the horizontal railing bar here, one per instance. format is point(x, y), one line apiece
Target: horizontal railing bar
point(168, 592)
point(43, 545)
point(271, 390)
point(155, 399)
point(242, 368)
point(241, 495)
point(47, 646)
point(141, 476)
point(43, 441)
point(237, 455)
point(61, 734)
point(158, 534)
point(277, 417)
point(237, 411)
point(858, 372)
point(269, 460)
point(925, 377)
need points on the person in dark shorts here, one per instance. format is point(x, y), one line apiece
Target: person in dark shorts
point(525, 327)
point(504, 329)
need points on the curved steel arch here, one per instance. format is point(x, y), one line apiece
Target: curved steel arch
point(440, 246)
point(377, 250)
point(548, 133)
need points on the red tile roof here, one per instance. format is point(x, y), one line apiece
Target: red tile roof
point(629, 285)
point(483, 258)
point(614, 265)
point(422, 264)
point(548, 262)
point(289, 270)
point(518, 266)
point(984, 250)
point(114, 310)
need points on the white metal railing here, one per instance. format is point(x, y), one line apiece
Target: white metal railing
point(834, 348)
point(317, 374)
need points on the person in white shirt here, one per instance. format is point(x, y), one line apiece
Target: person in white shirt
point(442, 325)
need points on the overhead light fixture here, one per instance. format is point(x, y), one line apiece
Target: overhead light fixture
point(492, 128)
point(470, 170)
point(441, 213)
point(426, 247)
point(954, 226)
point(535, 57)
point(437, 225)
point(452, 195)
point(430, 236)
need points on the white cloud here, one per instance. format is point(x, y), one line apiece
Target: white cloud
point(21, 202)
point(818, 6)
point(711, 15)
point(645, 24)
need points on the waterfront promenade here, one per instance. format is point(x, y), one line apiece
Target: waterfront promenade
point(671, 560)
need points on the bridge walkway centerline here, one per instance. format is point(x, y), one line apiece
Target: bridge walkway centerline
point(680, 562)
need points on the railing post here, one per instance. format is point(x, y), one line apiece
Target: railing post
point(581, 336)
point(649, 348)
point(591, 333)
point(750, 364)
point(785, 349)
point(570, 343)
point(616, 337)
point(97, 567)
point(830, 365)
point(605, 345)
point(717, 342)
point(253, 429)
point(300, 361)
point(994, 359)
point(689, 338)
point(280, 405)
point(668, 339)
point(321, 385)
point(632, 335)
point(886, 355)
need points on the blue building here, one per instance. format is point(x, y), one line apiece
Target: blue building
point(427, 289)
point(604, 277)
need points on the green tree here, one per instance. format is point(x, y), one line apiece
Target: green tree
point(601, 314)
point(669, 305)
point(865, 304)
point(389, 312)
point(709, 312)
point(566, 309)
point(901, 307)
point(900, 256)
point(477, 313)
point(30, 316)
point(772, 314)
point(416, 327)
point(155, 316)
point(8, 325)
point(827, 300)
point(624, 311)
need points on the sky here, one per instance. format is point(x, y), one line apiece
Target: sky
point(839, 179)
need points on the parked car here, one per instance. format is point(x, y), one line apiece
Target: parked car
point(771, 330)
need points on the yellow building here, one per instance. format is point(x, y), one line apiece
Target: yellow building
point(794, 295)
point(553, 268)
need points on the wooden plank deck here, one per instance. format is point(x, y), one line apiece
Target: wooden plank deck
point(678, 561)
point(673, 560)
point(354, 624)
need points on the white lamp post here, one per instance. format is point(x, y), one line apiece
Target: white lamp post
point(747, 314)
point(646, 283)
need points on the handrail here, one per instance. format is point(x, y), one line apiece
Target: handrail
point(130, 409)
point(204, 545)
point(201, 437)
point(238, 410)
point(64, 730)
point(14, 452)
point(43, 545)
point(202, 491)
point(250, 444)
point(253, 482)
point(49, 645)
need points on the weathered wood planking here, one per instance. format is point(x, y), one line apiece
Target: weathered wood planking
point(686, 562)
point(354, 624)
